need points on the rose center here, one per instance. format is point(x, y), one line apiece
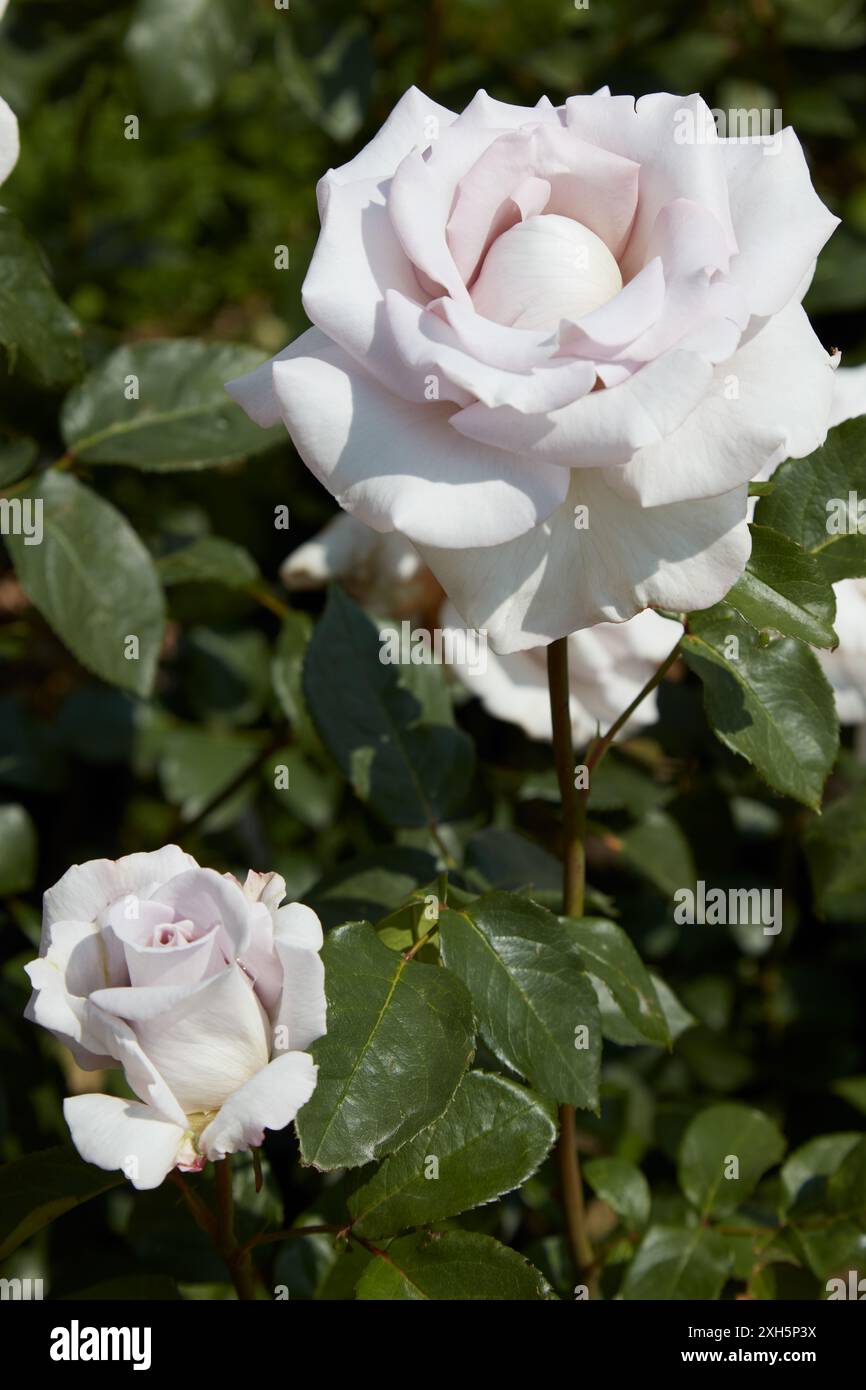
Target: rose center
point(170, 934)
point(545, 269)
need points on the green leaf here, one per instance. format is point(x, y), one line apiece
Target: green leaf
point(371, 885)
point(852, 1089)
point(676, 1263)
point(161, 406)
point(834, 851)
point(677, 1016)
point(785, 589)
point(503, 859)
point(332, 85)
point(38, 1188)
point(824, 1202)
point(770, 703)
point(623, 1186)
point(804, 491)
point(846, 1187)
point(658, 849)
point(722, 1138)
point(458, 1265)
point(182, 50)
point(492, 1137)
point(209, 560)
point(196, 766)
point(93, 581)
point(17, 850)
point(412, 767)
point(536, 1007)
point(607, 953)
point(287, 672)
point(400, 1036)
point(36, 328)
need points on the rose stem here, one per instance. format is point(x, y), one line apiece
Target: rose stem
point(237, 1257)
point(573, 889)
point(573, 880)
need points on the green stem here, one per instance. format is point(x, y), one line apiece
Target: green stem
point(599, 746)
point(573, 889)
point(237, 1257)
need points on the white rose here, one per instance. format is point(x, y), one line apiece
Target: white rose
point(522, 311)
point(205, 991)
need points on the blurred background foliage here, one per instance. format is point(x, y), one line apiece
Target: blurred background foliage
point(241, 107)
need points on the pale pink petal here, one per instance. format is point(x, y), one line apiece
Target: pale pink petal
point(605, 427)
point(254, 392)
point(433, 347)
point(210, 900)
point(415, 122)
point(357, 258)
point(88, 889)
point(121, 1134)
point(780, 222)
point(73, 965)
point(771, 401)
point(557, 579)
point(849, 394)
point(497, 344)
point(9, 145)
point(269, 1100)
point(651, 132)
point(398, 466)
point(585, 183)
point(205, 1041)
point(616, 324)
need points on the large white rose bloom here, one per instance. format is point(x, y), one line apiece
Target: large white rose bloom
point(203, 990)
point(522, 311)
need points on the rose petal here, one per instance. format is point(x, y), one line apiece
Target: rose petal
point(9, 144)
point(585, 183)
point(849, 394)
point(414, 122)
point(605, 427)
point(784, 384)
point(357, 258)
point(557, 579)
point(210, 900)
point(431, 346)
point(654, 133)
point(401, 467)
point(205, 1041)
point(114, 1133)
point(780, 222)
point(86, 890)
point(269, 1100)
